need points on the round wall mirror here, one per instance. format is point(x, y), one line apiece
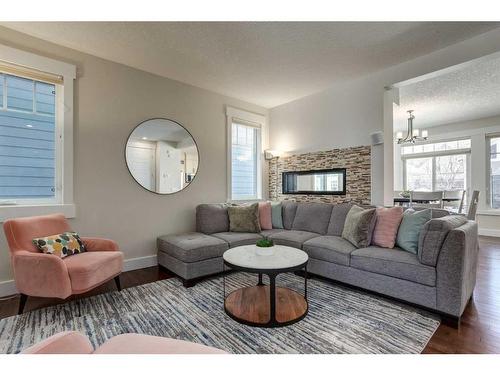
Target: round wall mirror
point(162, 156)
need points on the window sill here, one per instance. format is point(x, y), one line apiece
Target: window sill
point(15, 211)
point(490, 212)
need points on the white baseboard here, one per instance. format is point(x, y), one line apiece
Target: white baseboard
point(138, 263)
point(489, 232)
point(8, 287)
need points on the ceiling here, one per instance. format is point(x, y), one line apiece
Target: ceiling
point(470, 93)
point(266, 63)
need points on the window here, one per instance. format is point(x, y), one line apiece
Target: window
point(244, 154)
point(245, 163)
point(494, 171)
point(437, 166)
point(36, 135)
point(28, 140)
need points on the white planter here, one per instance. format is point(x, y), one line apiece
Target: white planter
point(264, 251)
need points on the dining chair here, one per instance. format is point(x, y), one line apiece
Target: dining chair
point(431, 199)
point(471, 213)
point(458, 196)
point(45, 275)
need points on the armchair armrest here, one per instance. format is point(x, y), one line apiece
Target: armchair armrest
point(70, 342)
point(41, 275)
point(99, 244)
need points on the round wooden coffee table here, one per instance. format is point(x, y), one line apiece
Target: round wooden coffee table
point(266, 305)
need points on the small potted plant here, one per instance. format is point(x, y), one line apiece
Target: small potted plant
point(264, 247)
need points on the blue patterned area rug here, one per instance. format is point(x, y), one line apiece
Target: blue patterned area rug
point(340, 319)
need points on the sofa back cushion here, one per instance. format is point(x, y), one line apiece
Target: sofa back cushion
point(359, 225)
point(289, 208)
point(244, 218)
point(386, 226)
point(212, 218)
point(312, 217)
point(433, 235)
point(337, 219)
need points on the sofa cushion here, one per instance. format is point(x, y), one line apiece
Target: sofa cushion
point(238, 238)
point(87, 270)
point(244, 218)
point(393, 262)
point(289, 208)
point(337, 219)
point(386, 226)
point(269, 232)
point(212, 218)
point(312, 217)
point(331, 249)
point(293, 238)
point(277, 215)
point(433, 235)
point(358, 226)
point(192, 247)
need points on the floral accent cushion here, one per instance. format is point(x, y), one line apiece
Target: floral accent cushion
point(61, 245)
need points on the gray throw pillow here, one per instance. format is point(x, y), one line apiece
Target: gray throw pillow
point(244, 218)
point(358, 226)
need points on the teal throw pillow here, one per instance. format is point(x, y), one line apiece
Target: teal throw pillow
point(276, 215)
point(410, 228)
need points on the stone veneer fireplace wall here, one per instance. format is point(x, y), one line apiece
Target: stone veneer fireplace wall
point(357, 161)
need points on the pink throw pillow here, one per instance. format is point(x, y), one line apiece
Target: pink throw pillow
point(265, 219)
point(386, 226)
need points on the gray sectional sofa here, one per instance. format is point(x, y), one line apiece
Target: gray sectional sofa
point(441, 277)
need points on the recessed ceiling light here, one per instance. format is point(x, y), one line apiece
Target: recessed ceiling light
point(144, 138)
point(29, 126)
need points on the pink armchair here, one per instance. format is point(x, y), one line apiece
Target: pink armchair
point(44, 275)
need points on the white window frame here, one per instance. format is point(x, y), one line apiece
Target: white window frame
point(63, 202)
point(488, 171)
point(433, 155)
point(250, 119)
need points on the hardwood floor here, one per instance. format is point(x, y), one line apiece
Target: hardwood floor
point(478, 333)
point(127, 279)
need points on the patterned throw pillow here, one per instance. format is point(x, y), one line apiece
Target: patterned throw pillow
point(244, 218)
point(61, 245)
point(358, 226)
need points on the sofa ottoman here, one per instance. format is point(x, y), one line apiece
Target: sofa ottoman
point(191, 255)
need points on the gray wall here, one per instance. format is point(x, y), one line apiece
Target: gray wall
point(110, 99)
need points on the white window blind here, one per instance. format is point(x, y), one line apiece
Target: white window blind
point(27, 139)
point(244, 161)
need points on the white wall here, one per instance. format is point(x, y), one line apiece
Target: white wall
point(110, 100)
point(346, 114)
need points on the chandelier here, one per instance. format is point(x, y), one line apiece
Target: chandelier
point(412, 135)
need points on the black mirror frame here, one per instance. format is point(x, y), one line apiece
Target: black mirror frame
point(309, 192)
point(195, 143)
